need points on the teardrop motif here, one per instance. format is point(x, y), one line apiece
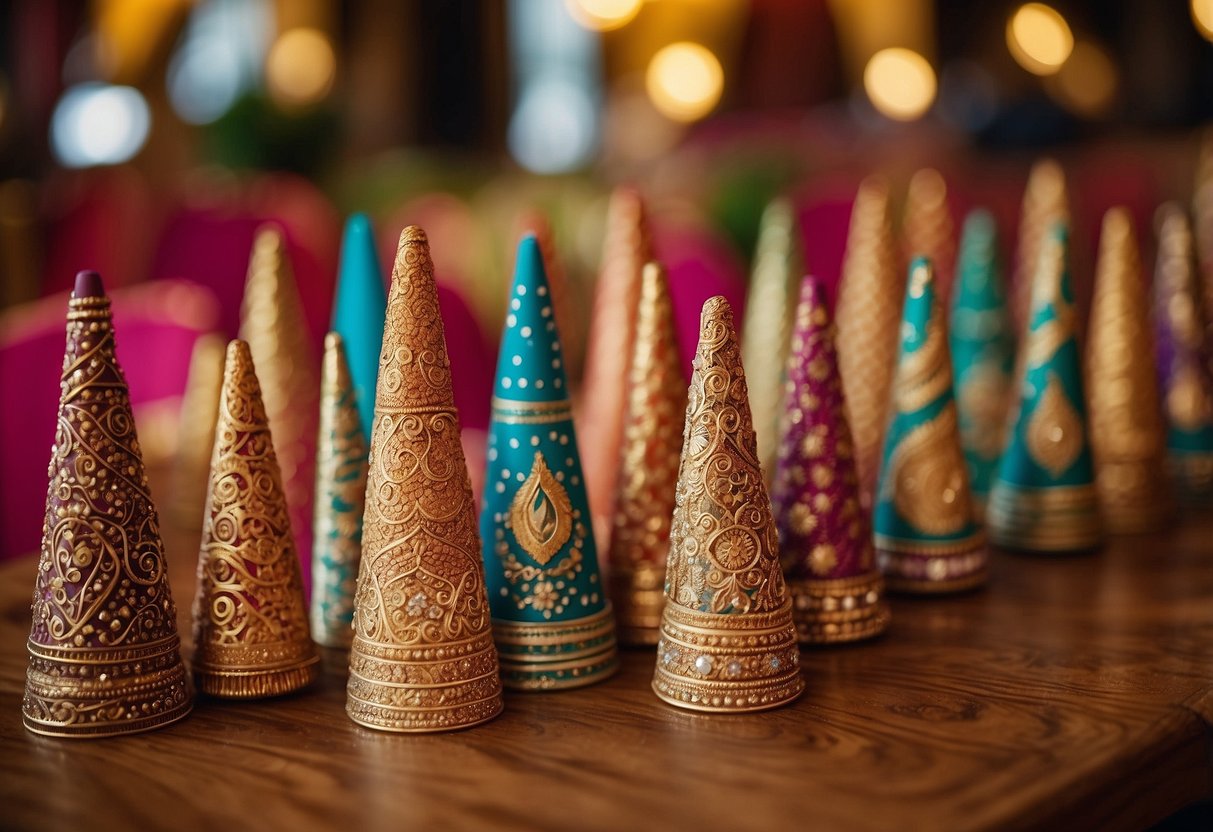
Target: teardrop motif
point(1055, 431)
point(541, 514)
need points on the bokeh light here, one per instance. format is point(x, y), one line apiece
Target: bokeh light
point(1202, 16)
point(684, 81)
point(554, 127)
point(603, 15)
point(300, 67)
point(204, 80)
point(99, 124)
point(1087, 82)
point(1039, 38)
point(900, 83)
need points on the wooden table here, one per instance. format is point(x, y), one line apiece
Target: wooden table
point(1072, 693)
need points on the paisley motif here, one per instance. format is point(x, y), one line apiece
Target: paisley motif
point(926, 478)
point(1055, 435)
point(541, 513)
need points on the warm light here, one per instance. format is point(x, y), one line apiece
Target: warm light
point(603, 15)
point(99, 124)
point(300, 67)
point(900, 83)
point(1202, 16)
point(1039, 38)
point(684, 81)
point(1086, 84)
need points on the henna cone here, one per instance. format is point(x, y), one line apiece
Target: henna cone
point(358, 314)
point(648, 469)
point(104, 657)
point(251, 634)
point(825, 535)
point(1127, 433)
point(423, 657)
point(728, 643)
point(199, 406)
point(927, 230)
point(1044, 203)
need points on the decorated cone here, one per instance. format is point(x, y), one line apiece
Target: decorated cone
point(1044, 498)
point(551, 617)
point(926, 536)
point(769, 309)
point(199, 406)
point(825, 535)
point(340, 501)
point(648, 470)
point(572, 336)
point(626, 248)
point(271, 322)
point(867, 314)
point(251, 634)
point(1127, 433)
point(1044, 203)
point(1183, 359)
point(423, 657)
point(358, 315)
point(982, 344)
point(728, 643)
point(104, 657)
point(927, 229)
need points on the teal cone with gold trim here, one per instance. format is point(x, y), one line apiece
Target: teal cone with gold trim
point(1044, 497)
point(359, 312)
point(551, 618)
point(982, 343)
point(927, 540)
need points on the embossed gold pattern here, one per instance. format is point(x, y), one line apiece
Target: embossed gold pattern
point(541, 514)
point(250, 619)
point(1051, 519)
point(926, 477)
point(423, 657)
point(104, 657)
point(928, 230)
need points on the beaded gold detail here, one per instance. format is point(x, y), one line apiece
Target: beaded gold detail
point(104, 656)
point(838, 610)
point(557, 655)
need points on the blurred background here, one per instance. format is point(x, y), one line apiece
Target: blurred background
point(149, 139)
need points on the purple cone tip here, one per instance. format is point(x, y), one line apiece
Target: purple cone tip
point(88, 285)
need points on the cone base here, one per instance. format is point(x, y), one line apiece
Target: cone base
point(86, 693)
point(638, 596)
point(256, 683)
point(1134, 496)
point(838, 610)
point(1053, 519)
point(918, 567)
point(727, 663)
point(557, 655)
point(1192, 474)
point(434, 723)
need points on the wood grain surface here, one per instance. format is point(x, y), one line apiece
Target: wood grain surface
point(1072, 693)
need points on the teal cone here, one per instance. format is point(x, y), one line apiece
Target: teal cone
point(927, 540)
point(359, 312)
point(1043, 498)
point(982, 342)
point(551, 618)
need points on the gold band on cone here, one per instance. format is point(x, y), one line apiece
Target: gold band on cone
point(1053, 519)
point(254, 671)
point(839, 610)
point(1134, 498)
point(557, 655)
point(639, 597)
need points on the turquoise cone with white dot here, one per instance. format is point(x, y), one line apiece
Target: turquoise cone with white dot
point(551, 618)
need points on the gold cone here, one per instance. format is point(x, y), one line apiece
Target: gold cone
point(927, 229)
point(867, 316)
point(1202, 212)
point(272, 323)
point(250, 619)
point(769, 309)
point(728, 643)
point(199, 406)
point(423, 657)
point(626, 248)
point(1044, 202)
point(1126, 424)
point(340, 501)
point(648, 468)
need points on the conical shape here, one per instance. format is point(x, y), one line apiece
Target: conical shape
point(728, 643)
point(626, 248)
point(572, 336)
point(423, 657)
point(1043, 498)
point(867, 314)
point(551, 617)
point(927, 229)
point(199, 407)
point(1044, 203)
point(1127, 429)
point(340, 501)
point(1202, 211)
point(926, 537)
point(648, 470)
point(104, 657)
point(271, 322)
point(982, 344)
point(251, 635)
point(770, 306)
point(825, 535)
point(358, 314)
point(1183, 365)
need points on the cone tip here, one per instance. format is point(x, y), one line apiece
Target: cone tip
point(88, 285)
point(332, 341)
point(715, 307)
point(268, 235)
point(411, 235)
point(238, 350)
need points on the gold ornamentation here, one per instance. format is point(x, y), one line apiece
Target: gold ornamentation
point(984, 395)
point(926, 373)
point(104, 656)
point(199, 406)
point(1044, 203)
point(840, 609)
point(541, 514)
point(423, 657)
point(558, 655)
point(1055, 431)
point(250, 619)
point(1051, 519)
point(928, 228)
point(926, 478)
